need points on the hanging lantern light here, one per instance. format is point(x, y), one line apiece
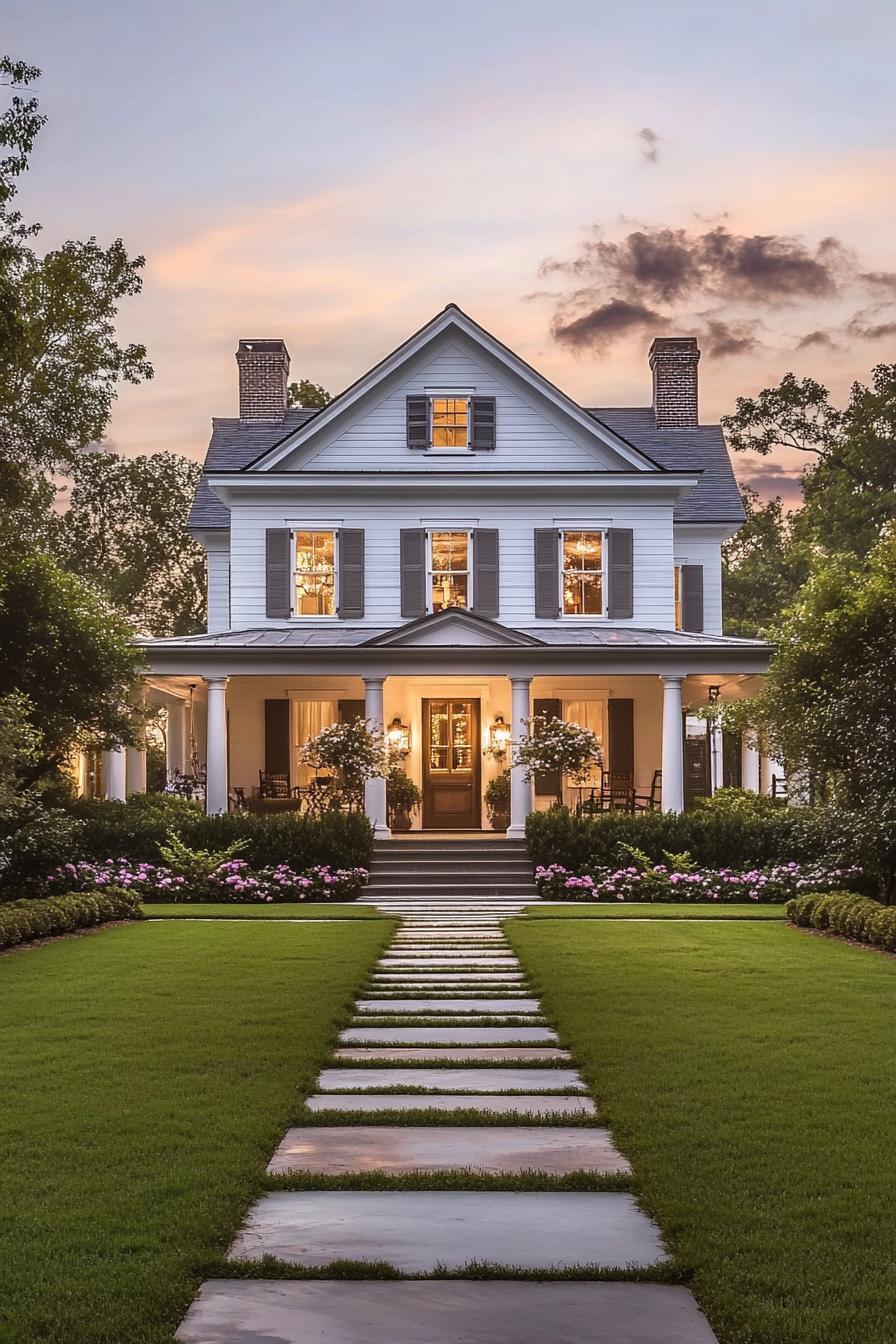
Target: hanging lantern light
point(499, 738)
point(398, 737)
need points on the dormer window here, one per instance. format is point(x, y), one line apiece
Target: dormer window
point(450, 422)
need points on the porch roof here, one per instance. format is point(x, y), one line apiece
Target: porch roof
point(455, 644)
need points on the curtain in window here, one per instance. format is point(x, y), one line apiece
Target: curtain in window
point(310, 717)
point(587, 714)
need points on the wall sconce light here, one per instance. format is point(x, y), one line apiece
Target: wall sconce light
point(398, 737)
point(499, 738)
point(713, 693)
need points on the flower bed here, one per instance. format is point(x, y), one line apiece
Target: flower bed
point(667, 882)
point(24, 920)
point(232, 880)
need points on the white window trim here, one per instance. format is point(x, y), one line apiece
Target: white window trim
point(463, 394)
point(295, 615)
point(584, 615)
point(468, 532)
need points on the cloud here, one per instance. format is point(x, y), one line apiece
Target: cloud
point(770, 479)
point(601, 326)
point(650, 144)
point(720, 338)
point(880, 280)
point(662, 264)
point(817, 340)
point(864, 325)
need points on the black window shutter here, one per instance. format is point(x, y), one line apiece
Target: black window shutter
point(483, 417)
point(278, 546)
point(692, 597)
point(351, 572)
point(349, 710)
point(276, 736)
point(412, 559)
point(547, 573)
point(621, 573)
point(548, 783)
point(485, 572)
point(418, 422)
point(621, 735)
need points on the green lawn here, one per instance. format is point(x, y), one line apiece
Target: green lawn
point(283, 910)
point(147, 1073)
point(659, 910)
point(748, 1070)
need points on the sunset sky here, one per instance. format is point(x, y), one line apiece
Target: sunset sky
point(577, 176)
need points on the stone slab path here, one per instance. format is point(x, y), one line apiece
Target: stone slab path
point(479, 1049)
point(443, 1313)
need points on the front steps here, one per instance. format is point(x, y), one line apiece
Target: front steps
point(450, 876)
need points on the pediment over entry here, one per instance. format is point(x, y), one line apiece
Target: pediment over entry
point(452, 629)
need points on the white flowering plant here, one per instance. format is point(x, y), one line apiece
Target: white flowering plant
point(555, 744)
point(355, 750)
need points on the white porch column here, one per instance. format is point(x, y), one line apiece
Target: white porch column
point(673, 746)
point(375, 789)
point(135, 770)
point(716, 758)
point(176, 736)
point(520, 787)
point(115, 774)
point(216, 747)
point(749, 765)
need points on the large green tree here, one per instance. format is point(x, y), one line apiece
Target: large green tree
point(68, 652)
point(762, 568)
point(828, 704)
point(124, 531)
point(307, 394)
point(60, 360)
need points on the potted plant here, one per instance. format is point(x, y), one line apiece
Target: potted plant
point(402, 796)
point(556, 746)
point(353, 752)
point(497, 801)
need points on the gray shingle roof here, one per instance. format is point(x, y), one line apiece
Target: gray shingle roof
point(715, 499)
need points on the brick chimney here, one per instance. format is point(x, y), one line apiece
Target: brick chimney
point(264, 369)
point(673, 363)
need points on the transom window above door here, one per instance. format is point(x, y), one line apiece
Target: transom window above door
point(449, 570)
point(315, 573)
point(450, 422)
point(582, 573)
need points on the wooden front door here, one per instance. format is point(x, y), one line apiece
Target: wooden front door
point(451, 798)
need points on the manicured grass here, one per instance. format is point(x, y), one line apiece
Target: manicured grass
point(658, 910)
point(748, 1072)
point(147, 1074)
point(283, 910)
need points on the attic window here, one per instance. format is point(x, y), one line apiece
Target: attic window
point(450, 421)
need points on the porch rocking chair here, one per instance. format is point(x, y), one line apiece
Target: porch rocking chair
point(617, 791)
point(650, 802)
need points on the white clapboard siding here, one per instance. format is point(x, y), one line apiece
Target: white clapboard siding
point(383, 518)
point(531, 435)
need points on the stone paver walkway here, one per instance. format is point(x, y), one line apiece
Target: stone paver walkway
point(449, 960)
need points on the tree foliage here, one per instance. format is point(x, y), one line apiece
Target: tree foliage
point(307, 394)
point(124, 532)
point(762, 569)
point(72, 658)
point(828, 704)
point(60, 361)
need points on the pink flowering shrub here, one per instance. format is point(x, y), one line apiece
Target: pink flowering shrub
point(148, 880)
point(663, 882)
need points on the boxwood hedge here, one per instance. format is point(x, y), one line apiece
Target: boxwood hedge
point(23, 920)
point(846, 914)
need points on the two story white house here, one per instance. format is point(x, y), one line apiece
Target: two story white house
point(449, 547)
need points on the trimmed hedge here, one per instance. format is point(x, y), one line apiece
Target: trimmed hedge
point(136, 830)
point(714, 838)
point(23, 920)
point(846, 914)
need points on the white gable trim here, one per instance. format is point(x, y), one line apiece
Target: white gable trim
point(451, 318)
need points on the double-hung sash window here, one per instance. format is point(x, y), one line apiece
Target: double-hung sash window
point(449, 570)
point(582, 573)
point(315, 573)
point(450, 422)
